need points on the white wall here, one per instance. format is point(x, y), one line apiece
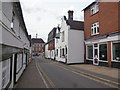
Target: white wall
point(8, 36)
point(11, 38)
point(74, 40)
point(47, 52)
point(61, 44)
point(52, 54)
point(0, 76)
point(75, 46)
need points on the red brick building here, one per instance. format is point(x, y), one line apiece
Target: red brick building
point(51, 43)
point(37, 46)
point(102, 32)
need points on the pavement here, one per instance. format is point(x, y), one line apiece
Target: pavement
point(106, 74)
point(32, 79)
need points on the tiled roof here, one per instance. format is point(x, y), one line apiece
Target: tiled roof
point(77, 25)
point(37, 40)
point(52, 33)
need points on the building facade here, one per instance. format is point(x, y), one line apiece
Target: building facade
point(14, 44)
point(37, 46)
point(51, 44)
point(102, 32)
point(69, 42)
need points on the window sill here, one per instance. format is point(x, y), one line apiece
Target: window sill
point(94, 13)
point(114, 61)
point(89, 59)
point(95, 34)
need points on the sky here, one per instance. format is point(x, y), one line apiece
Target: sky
point(41, 16)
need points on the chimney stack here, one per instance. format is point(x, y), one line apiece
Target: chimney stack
point(70, 15)
point(36, 35)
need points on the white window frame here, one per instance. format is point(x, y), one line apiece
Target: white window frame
point(94, 9)
point(112, 51)
point(94, 28)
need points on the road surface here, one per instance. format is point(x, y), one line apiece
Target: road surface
point(57, 75)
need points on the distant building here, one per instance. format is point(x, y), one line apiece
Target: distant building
point(69, 42)
point(14, 44)
point(50, 45)
point(102, 32)
point(37, 46)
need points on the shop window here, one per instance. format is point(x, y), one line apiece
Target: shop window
point(116, 51)
point(103, 52)
point(5, 73)
point(19, 62)
point(90, 52)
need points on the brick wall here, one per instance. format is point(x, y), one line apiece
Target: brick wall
point(51, 45)
point(107, 18)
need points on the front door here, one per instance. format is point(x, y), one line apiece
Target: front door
point(96, 57)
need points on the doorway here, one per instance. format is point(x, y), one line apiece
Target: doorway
point(96, 54)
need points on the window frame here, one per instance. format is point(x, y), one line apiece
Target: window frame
point(94, 9)
point(9, 61)
point(87, 51)
point(99, 52)
point(95, 28)
point(112, 51)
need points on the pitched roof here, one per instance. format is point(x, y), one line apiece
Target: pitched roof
point(52, 33)
point(37, 40)
point(77, 25)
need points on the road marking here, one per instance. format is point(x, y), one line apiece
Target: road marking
point(46, 77)
point(45, 83)
point(87, 76)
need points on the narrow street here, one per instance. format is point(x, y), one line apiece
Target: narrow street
point(57, 75)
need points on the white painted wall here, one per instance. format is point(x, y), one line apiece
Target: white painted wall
point(52, 54)
point(74, 40)
point(48, 53)
point(61, 44)
point(75, 46)
point(10, 38)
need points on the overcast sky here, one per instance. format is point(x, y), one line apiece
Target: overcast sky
point(41, 16)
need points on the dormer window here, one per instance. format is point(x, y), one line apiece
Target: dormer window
point(94, 9)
